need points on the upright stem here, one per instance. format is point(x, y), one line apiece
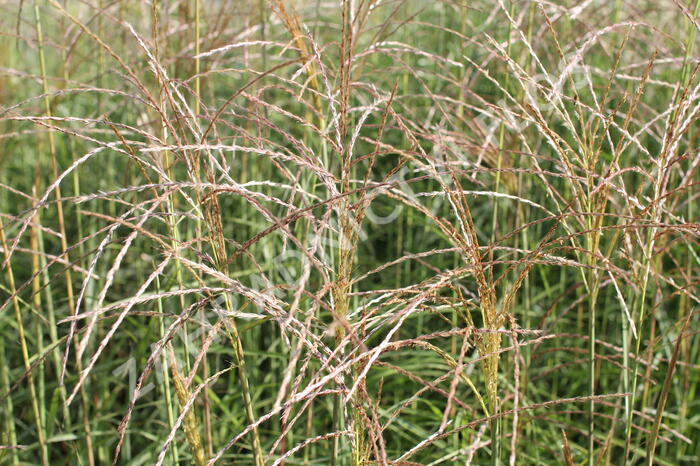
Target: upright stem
point(591, 370)
point(218, 246)
point(61, 222)
point(235, 337)
point(347, 227)
point(9, 408)
point(25, 353)
point(496, 422)
point(164, 373)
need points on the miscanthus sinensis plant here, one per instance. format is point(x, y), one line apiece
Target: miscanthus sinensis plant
point(349, 232)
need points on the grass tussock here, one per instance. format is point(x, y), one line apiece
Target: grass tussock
point(355, 232)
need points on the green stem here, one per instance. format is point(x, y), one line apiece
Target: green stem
point(25, 353)
point(9, 408)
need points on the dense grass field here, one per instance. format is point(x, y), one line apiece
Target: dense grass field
point(349, 232)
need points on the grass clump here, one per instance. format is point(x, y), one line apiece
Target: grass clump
point(361, 232)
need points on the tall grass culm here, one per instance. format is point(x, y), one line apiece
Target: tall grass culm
point(352, 232)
